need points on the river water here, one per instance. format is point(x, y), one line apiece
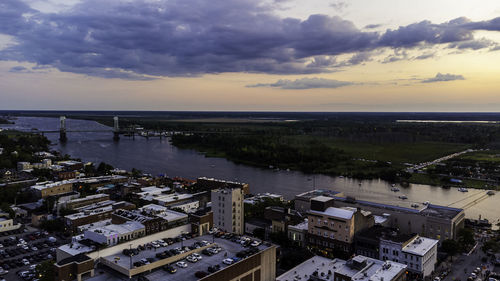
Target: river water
point(157, 156)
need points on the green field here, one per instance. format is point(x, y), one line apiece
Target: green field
point(486, 156)
point(397, 153)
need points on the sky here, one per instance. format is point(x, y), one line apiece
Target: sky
point(250, 55)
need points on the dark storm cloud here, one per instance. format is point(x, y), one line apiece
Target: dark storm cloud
point(305, 83)
point(443, 77)
point(141, 40)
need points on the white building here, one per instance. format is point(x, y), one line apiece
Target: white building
point(188, 207)
point(227, 206)
point(115, 233)
point(418, 253)
point(8, 224)
point(297, 233)
point(359, 268)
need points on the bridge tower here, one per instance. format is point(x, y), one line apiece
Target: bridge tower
point(62, 129)
point(116, 129)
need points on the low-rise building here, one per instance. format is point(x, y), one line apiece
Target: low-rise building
point(332, 229)
point(75, 267)
point(46, 189)
point(359, 268)
point(282, 217)
point(7, 224)
point(85, 201)
point(116, 233)
point(297, 233)
point(155, 218)
point(419, 253)
point(201, 221)
point(433, 221)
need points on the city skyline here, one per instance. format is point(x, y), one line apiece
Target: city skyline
point(250, 55)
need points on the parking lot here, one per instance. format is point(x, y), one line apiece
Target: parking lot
point(22, 250)
point(229, 248)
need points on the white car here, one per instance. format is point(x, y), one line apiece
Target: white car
point(191, 259)
point(255, 243)
point(1, 245)
point(34, 249)
point(181, 264)
point(228, 261)
point(26, 262)
point(156, 245)
point(197, 256)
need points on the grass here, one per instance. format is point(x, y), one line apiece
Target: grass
point(440, 181)
point(484, 156)
point(397, 153)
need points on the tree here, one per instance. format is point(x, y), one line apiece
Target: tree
point(45, 271)
point(104, 168)
point(466, 236)
point(451, 247)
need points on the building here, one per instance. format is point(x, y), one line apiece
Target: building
point(254, 225)
point(75, 267)
point(257, 264)
point(332, 229)
point(418, 253)
point(85, 201)
point(93, 213)
point(358, 268)
point(113, 234)
point(204, 183)
point(46, 189)
point(281, 217)
point(7, 224)
point(260, 197)
point(433, 221)
point(155, 218)
point(201, 221)
point(302, 201)
point(367, 241)
point(227, 206)
point(297, 233)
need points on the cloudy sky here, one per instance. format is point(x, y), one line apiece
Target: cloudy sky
point(285, 55)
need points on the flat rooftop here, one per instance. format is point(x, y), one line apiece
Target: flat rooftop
point(419, 246)
point(359, 268)
point(229, 250)
point(335, 212)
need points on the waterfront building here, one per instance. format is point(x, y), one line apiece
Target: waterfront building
point(433, 221)
point(46, 189)
point(359, 268)
point(227, 206)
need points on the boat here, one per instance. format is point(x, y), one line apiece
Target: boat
point(395, 189)
point(403, 197)
point(414, 205)
point(463, 189)
point(490, 192)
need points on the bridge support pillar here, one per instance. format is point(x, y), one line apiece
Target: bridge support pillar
point(62, 130)
point(116, 129)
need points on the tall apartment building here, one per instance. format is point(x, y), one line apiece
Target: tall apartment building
point(227, 207)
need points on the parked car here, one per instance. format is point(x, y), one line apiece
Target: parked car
point(191, 259)
point(181, 264)
point(228, 261)
point(170, 269)
point(197, 256)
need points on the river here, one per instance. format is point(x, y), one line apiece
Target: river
point(157, 156)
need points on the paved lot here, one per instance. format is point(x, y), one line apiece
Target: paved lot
point(17, 253)
point(229, 250)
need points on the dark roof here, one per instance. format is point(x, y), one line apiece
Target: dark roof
point(258, 222)
point(78, 258)
point(380, 232)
